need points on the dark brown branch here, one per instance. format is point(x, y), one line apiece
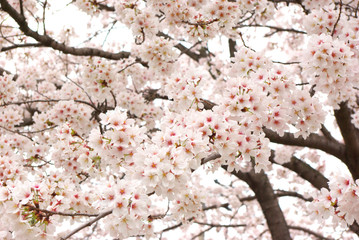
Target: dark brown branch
point(201, 233)
point(171, 227)
point(48, 101)
point(100, 216)
point(277, 29)
point(47, 41)
point(283, 193)
point(264, 192)
point(286, 63)
point(317, 179)
point(305, 171)
point(3, 71)
point(351, 139)
point(22, 8)
point(232, 47)
point(4, 49)
point(211, 157)
point(312, 141)
point(183, 49)
point(340, 13)
point(287, 1)
point(319, 236)
point(16, 132)
point(223, 205)
point(102, 6)
point(327, 134)
point(299, 2)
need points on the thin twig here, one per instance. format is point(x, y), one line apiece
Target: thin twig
point(340, 13)
point(102, 215)
point(310, 232)
point(16, 132)
point(201, 233)
point(43, 17)
point(32, 208)
point(221, 225)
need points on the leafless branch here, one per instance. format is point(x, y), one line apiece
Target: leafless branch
point(47, 41)
point(32, 208)
point(220, 225)
point(319, 236)
point(277, 29)
point(89, 223)
point(201, 233)
point(340, 13)
point(312, 141)
point(25, 45)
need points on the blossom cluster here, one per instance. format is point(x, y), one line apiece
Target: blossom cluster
point(116, 146)
point(311, 4)
point(339, 201)
point(185, 89)
point(284, 103)
point(100, 79)
point(142, 21)
point(87, 140)
point(77, 115)
point(10, 117)
point(88, 6)
point(160, 54)
point(31, 206)
point(10, 167)
point(7, 89)
point(130, 208)
point(330, 66)
point(198, 19)
point(320, 21)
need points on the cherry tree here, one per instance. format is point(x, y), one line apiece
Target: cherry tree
point(174, 119)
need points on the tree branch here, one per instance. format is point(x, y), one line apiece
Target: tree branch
point(220, 225)
point(277, 29)
point(4, 49)
point(305, 171)
point(263, 190)
point(319, 236)
point(313, 176)
point(47, 41)
point(351, 138)
point(312, 141)
point(102, 215)
point(32, 208)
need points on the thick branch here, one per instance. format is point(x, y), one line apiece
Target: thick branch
point(313, 141)
point(3, 71)
point(232, 47)
point(311, 175)
point(184, 50)
point(305, 171)
point(102, 6)
point(263, 190)
point(47, 41)
point(351, 138)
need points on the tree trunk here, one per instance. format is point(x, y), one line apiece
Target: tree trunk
point(263, 190)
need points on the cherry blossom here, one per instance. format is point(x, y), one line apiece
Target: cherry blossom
point(170, 118)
